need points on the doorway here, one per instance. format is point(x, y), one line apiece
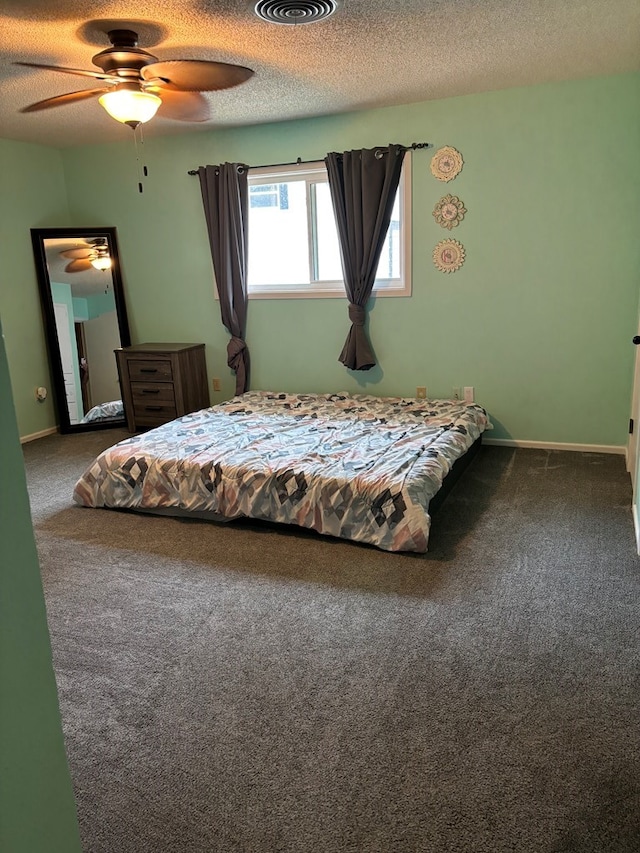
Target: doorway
point(85, 382)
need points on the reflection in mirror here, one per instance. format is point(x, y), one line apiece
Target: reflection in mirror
point(85, 321)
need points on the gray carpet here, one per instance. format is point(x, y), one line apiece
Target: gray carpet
point(254, 689)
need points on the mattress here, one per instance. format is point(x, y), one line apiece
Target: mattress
point(353, 466)
point(113, 410)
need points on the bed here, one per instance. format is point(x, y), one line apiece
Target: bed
point(357, 467)
point(113, 410)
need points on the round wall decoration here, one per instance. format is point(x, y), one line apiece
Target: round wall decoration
point(448, 255)
point(446, 163)
point(449, 211)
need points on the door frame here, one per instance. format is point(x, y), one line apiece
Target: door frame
point(632, 445)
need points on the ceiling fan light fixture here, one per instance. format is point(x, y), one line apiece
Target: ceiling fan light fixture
point(129, 106)
point(102, 262)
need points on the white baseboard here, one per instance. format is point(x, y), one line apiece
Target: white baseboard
point(25, 438)
point(552, 445)
point(636, 525)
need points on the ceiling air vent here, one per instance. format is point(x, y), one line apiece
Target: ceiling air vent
point(295, 11)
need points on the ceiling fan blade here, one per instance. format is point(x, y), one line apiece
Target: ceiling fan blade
point(78, 265)
point(183, 106)
point(195, 75)
point(69, 98)
point(77, 253)
point(79, 71)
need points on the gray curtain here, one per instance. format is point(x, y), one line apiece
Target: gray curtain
point(225, 196)
point(363, 188)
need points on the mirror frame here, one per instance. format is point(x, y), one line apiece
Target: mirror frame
point(38, 236)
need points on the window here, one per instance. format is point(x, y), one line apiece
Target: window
point(293, 241)
point(269, 195)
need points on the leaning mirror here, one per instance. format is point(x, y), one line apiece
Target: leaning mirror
point(85, 320)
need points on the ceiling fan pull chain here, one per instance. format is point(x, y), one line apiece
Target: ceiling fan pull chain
point(145, 171)
point(138, 169)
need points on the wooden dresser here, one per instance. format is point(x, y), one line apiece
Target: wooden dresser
point(161, 382)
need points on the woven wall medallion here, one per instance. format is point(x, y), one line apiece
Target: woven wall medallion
point(448, 255)
point(449, 211)
point(446, 163)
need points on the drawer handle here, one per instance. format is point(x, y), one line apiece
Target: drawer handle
point(150, 390)
point(153, 408)
point(148, 370)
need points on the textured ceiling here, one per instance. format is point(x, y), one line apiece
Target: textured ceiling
point(369, 53)
point(84, 283)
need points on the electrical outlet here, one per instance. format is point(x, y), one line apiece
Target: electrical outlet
point(456, 393)
point(217, 386)
point(421, 392)
point(468, 394)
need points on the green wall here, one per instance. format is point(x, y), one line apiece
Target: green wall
point(37, 811)
point(538, 319)
point(33, 196)
point(89, 307)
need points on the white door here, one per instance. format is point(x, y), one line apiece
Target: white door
point(66, 356)
point(632, 446)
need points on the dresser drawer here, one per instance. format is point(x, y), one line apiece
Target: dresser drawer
point(146, 393)
point(154, 414)
point(153, 402)
point(156, 370)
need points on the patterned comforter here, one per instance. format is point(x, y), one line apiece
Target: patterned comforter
point(104, 412)
point(354, 466)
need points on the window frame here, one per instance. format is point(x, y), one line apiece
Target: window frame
point(309, 172)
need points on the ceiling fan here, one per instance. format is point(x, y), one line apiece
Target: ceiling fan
point(93, 254)
point(136, 84)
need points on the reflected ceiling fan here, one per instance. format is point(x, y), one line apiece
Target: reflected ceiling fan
point(93, 255)
point(136, 84)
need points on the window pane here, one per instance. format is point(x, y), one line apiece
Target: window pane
point(389, 264)
point(278, 242)
point(327, 245)
point(265, 195)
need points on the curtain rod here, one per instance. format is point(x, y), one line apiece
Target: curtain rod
point(299, 161)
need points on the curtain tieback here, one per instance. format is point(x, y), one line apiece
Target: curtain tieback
point(235, 348)
point(356, 314)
